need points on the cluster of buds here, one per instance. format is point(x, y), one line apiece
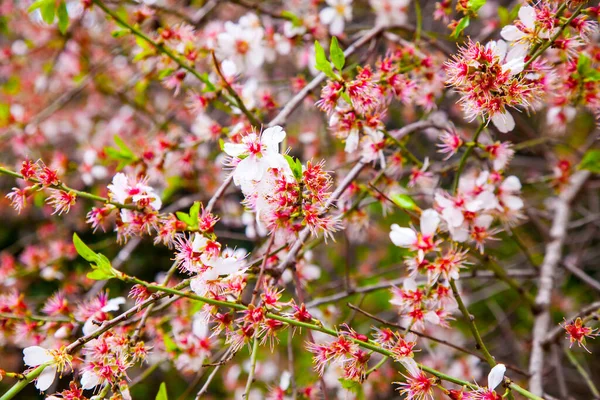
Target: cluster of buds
point(42, 177)
point(343, 352)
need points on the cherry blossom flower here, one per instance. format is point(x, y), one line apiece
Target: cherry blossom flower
point(259, 153)
point(336, 14)
point(526, 30)
point(124, 189)
point(422, 242)
point(390, 12)
point(241, 44)
point(56, 361)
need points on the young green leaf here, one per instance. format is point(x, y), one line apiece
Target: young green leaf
point(591, 161)
point(195, 211)
point(475, 5)
point(63, 17)
point(404, 201)
point(99, 275)
point(295, 166)
point(162, 392)
point(184, 217)
point(48, 9)
point(462, 25)
point(83, 250)
point(336, 54)
point(322, 64)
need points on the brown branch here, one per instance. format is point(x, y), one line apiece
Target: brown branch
point(429, 337)
point(552, 258)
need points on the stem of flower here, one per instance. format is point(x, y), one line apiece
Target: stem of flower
point(317, 326)
point(65, 188)
point(549, 43)
point(252, 368)
point(465, 157)
point(471, 321)
point(17, 387)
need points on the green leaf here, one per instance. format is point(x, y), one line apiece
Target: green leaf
point(591, 161)
point(125, 150)
point(83, 250)
point(295, 166)
point(462, 25)
point(170, 345)
point(123, 153)
point(586, 70)
point(162, 392)
point(165, 72)
point(63, 17)
point(195, 211)
point(346, 97)
point(4, 114)
point(48, 9)
point(322, 64)
point(99, 275)
point(184, 217)
point(291, 17)
point(404, 201)
point(101, 267)
point(336, 54)
point(475, 5)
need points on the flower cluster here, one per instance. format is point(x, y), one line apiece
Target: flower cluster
point(282, 193)
point(489, 81)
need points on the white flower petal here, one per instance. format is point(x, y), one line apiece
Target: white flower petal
point(511, 183)
point(327, 15)
point(430, 220)
point(36, 355)
point(511, 33)
point(402, 237)
point(46, 378)
point(337, 26)
point(89, 380)
point(504, 121)
point(113, 304)
point(527, 16)
point(496, 376)
point(234, 149)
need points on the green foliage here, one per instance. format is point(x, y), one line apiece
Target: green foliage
point(462, 25)
point(404, 201)
point(191, 218)
point(49, 10)
point(162, 392)
point(322, 64)
point(586, 70)
point(337, 54)
point(63, 17)
point(591, 161)
point(295, 166)
point(122, 153)
point(475, 5)
point(101, 267)
point(354, 387)
point(12, 85)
